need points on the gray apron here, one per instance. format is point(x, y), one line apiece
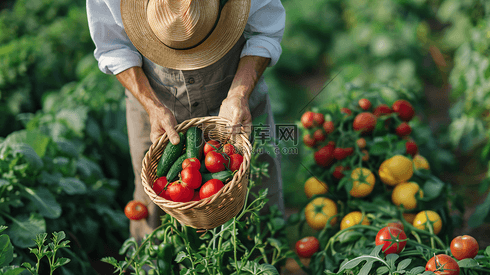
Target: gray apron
point(188, 94)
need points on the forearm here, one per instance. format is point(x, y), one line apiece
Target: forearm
point(250, 69)
point(135, 80)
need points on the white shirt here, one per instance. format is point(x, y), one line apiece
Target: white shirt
point(115, 52)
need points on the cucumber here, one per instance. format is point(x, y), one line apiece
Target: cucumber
point(175, 168)
point(194, 143)
point(170, 154)
point(222, 176)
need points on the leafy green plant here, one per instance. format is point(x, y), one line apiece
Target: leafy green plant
point(48, 251)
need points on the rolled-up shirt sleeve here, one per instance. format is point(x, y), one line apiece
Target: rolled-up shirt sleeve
point(113, 49)
point(264, 30)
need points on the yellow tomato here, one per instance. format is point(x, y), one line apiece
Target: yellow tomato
point(421, 222)
point(319, 211)
point(405, 194)
point(395, 170)
point(419, 162)
point(315, 187)
point(362, 182)
point(353, 218)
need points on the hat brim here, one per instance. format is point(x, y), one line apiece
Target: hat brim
point(228, 30)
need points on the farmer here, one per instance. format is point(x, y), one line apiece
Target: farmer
point(180, 59)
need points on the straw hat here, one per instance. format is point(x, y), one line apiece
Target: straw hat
point(184, 34)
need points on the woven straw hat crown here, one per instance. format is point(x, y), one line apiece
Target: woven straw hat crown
point(184, 34)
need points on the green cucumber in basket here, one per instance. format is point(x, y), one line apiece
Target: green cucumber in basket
point(170, 154)
point(194, 142)
point(222, 176)
point(175, 168)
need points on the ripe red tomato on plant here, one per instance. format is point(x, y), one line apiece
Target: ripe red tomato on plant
point(228, 149)
point(318, 119)
point(180, 192)
point(364, 103)
point(307, 246)
point(159, 185)
point(135, 210)
point(397, 224)
point(393, 239)
point(192, 177)
point(404, 109)
point(361, 143)
point(411, 148)
point(324, 156)
point(442, 264)
point(309, 140)
point(307, 119)
point(235, 162)
point(381, 110)
point(346, 111)
point(210, 188)
point(191, 162)
point(214, 162)
point(463, 247)
point(211, 145)
point(329, 127)
point(364, 122)
point(338, 172)
point(403, 129)
point(319, 136)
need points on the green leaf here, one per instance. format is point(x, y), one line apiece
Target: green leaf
point(391, 258)
point(45, 202)
point(25, 150)
point(61, 262)
point(481, 212)
point(34, 138)
point(487, 251)
point(417, 270)
point(366, 268)
point(73, 186)
point(6, 250)
point(349, 236)
point(432, 189)
point(14, 270)
point(268, 269)
point(468, 263)
point(403, 264)
point(180, 257)
point(382, 270)
point(200, 268)
point(24, 229)
point(75, 119)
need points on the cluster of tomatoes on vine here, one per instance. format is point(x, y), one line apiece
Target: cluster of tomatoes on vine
point(332, 138)
point(192, 185)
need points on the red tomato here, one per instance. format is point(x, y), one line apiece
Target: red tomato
point(191, 162)
point(342, 153)
point(211, 145)
point(196, 196)
point(214, 162)
point(329, 127)
point(382, 110)
point(346, 111)
point(397, 224)
point(235, 162)
point(192, 177)
point(324, 157)
point(338, 173)
point(403, 129)
point(404, 109)
point(442, 264)
point(166, 194)
point(318, 119)
point(364, 122)
point(463, 247)
point(319, 136)
point(307, 246)
point(393, 239)
point(412, 148)
point(210, 188)
point(229, 149)
point(159, 185)
point(364, 103)
point(309, 140)
point(307, 119)
point(136, 210)
point(179, 192)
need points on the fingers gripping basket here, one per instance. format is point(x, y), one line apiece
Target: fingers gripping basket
point(222, 206)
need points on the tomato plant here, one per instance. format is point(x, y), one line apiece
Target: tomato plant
point(135, 210)
point(443, 264)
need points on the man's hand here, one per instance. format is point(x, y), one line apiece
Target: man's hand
point(161, 118)
point(235, 106)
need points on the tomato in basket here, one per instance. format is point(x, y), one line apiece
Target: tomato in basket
point(192, 177)
point(211, 145)
point(210, 188)
point(191, 162)
point(229, 149)
point(180, 192)
point(235, 162)
point(215, 162)
point(159, 185)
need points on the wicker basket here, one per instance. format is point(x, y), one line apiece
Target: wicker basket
point(222, 206)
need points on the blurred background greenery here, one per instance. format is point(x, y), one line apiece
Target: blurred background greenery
point(434, 53)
